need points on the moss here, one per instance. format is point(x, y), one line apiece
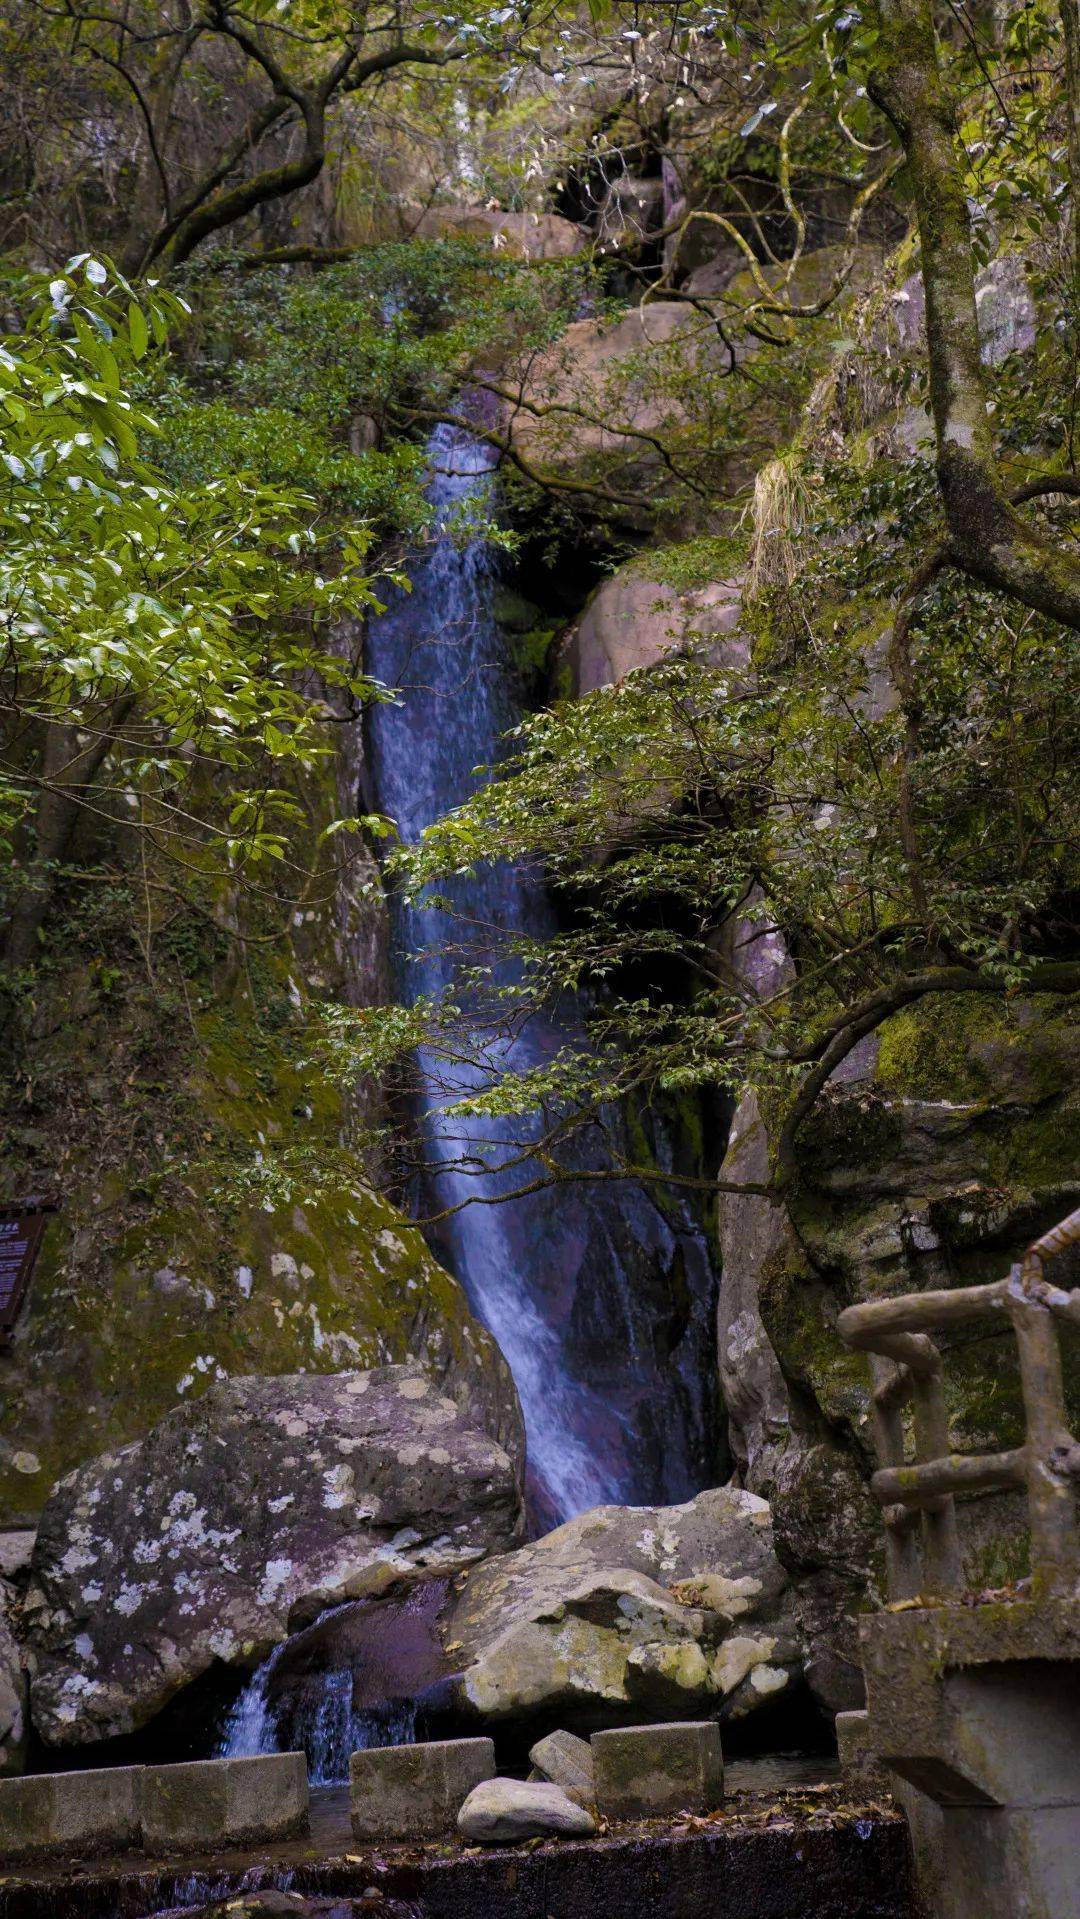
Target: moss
point(848, 1128)
point(1040, 1152)
point(530, 651)
point(795, 1310)
point(1002, 1560)
point(925, 1051)
point(973, 1047)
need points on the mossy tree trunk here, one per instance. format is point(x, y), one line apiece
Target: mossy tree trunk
point(987, 538)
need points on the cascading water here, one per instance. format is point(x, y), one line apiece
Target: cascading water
point(339, 1687)
point(599, 1300)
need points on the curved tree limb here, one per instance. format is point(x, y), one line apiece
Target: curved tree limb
point(844, 1033)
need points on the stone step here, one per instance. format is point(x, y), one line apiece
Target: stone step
point(71, 1812)
point(652, 1772)
point(415, 1792)
point(198, 1806)
point(208, 1803)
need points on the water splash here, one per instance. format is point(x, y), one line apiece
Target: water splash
point(248, 1730)
point(323, 1716)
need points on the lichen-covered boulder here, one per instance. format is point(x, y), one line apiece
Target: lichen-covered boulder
point(664, 1611)
point(236, 1520)
point(1003, 301)
point(115, 1334)
point(152, 1285)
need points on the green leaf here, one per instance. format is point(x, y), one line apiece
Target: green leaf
point(137, 330)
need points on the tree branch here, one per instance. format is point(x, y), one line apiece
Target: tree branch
point(843, 1034)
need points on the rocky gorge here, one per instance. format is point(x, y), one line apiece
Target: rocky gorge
point(435, 1329)
point(722, 1603)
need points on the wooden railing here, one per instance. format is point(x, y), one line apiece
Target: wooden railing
point(917, 1497)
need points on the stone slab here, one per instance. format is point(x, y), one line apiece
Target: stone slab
point(71, 1812)
point(978, 1705)
point(566, 1761)
point(651, 1772)
point(205, 1803)
point(415, 1792)
point(859, 1762)
point(992, 1863)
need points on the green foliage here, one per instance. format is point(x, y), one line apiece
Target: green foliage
point(399, 326)
point(276, 447)
point(176, 625)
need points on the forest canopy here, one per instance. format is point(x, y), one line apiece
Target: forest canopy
point(236, 305)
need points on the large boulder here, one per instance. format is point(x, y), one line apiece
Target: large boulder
point(636, 371)
point(595, 403)
point(629, 210)
point(647, 611)
point(521, 235)
point(237, 1520)
point(657, 1611)
point(214, 1223)
point(122, 1326)
point(1003, 301)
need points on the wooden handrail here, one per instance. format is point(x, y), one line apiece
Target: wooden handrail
point(906, 1367)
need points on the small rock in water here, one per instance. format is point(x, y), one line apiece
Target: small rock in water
point(566, 1761)
point(500, 1811)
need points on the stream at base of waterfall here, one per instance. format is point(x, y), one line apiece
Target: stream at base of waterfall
point(600, 1298)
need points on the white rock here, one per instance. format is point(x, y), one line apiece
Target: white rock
point(500, 1811)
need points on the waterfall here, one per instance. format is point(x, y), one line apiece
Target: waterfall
point(599, 1299)
point(601, 1302)
point(322, 1719)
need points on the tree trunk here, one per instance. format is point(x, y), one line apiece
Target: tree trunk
point(68, 771)
point(987, 538)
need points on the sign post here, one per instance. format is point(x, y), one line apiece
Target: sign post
point(22, 1223)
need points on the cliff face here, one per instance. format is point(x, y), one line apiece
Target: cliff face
point(943, 1145)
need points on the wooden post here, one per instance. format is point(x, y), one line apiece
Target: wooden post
point(942, 1564)
point(1051, 1500)
point(891, 1385)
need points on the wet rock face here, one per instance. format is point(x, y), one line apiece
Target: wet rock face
point(240, 1518)
point(385, 1660)
point(665, 1611)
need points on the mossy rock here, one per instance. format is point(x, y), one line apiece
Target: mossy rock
point(799, 1315)
point(213, 1222)
point(959, 1148)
